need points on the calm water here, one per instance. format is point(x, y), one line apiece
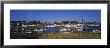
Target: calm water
point(92, 28)
point(57, 29)
point(53, 29)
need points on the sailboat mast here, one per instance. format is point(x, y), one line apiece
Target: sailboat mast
point(83, 23)
point(82, 19)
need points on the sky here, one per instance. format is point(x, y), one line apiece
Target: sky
point(55, 15)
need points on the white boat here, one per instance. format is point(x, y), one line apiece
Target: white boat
point(64, 29)
point(28, 32)
point(67, 25)
point(50, 26)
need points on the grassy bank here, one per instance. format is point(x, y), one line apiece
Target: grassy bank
point(72, 35)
